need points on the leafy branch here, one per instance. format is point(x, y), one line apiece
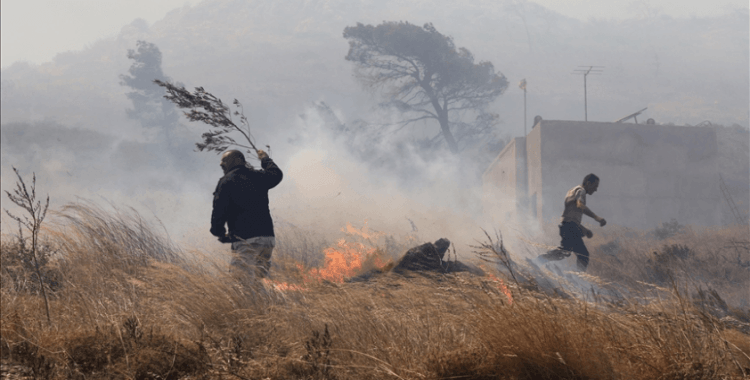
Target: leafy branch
point(207, 108)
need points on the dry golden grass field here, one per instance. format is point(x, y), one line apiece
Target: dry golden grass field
point(126, 303)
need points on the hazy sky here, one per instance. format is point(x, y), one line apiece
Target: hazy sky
point(36, 30)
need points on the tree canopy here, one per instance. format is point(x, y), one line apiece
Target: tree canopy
point(149, 106)
point(422, 73)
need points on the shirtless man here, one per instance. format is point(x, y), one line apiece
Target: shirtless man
point(571, 230)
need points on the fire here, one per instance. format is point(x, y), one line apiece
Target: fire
point(342, 261)
point(283, 286)
point(349, 257)
point(502, 287)
point(364, 232)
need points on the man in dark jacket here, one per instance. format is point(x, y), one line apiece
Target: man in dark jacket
point(241, 202)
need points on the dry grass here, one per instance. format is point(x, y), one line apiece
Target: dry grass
point(130, 305)
point(715, 261)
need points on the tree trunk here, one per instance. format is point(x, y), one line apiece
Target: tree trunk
point(34, 234)
point(445, 128)
point(442, 119)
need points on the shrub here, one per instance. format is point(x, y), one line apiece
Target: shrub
point(18, 267)
point(668, 229)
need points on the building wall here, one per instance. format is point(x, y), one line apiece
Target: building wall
point(734, 165)
point(503, 182)
point(649, 173)
point(534, 173)
point(522, 178)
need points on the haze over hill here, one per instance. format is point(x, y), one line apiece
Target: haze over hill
point(281, 58)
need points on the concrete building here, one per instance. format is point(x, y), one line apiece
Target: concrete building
point(649, 173)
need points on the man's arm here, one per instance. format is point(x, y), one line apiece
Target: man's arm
point(587, 211)
point(272, 174)
point(586, 232)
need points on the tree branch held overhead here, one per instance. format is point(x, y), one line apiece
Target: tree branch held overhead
point(204, 107)
point(421, 70)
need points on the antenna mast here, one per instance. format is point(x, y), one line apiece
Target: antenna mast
point(586, 71)
point(522, 86)
point(732, 206)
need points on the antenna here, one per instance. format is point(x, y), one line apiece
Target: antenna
point(586, 71)
point(633, 116)
point(522, 85)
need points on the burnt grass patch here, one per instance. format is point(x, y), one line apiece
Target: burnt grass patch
point(154, 356)
point(113, 354)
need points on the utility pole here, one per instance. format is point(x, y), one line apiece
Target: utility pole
point(595, 70)
point(522, 86)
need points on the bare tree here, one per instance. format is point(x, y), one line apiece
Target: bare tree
point(423, 73)
point(21, 197)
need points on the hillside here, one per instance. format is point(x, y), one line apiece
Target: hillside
point(278, 57)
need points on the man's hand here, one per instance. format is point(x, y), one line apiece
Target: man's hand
point(262, 154)
point(228, 238)
point(587, 232)
point(218, 232)
point(602, 222)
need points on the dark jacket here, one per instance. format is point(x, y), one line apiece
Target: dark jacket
point(241, 201)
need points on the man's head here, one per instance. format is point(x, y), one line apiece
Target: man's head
point(591, 183)
point(231, 159)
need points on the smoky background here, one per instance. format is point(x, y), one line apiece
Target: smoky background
point(66, 119)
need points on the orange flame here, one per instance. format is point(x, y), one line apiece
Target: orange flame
point(283, 286)
point(502, 287)
point(364, 232)
point(344, 260)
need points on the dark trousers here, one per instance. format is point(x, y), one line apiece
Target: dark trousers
point(572, 240)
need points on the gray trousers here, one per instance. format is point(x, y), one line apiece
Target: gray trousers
point(253, 255)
